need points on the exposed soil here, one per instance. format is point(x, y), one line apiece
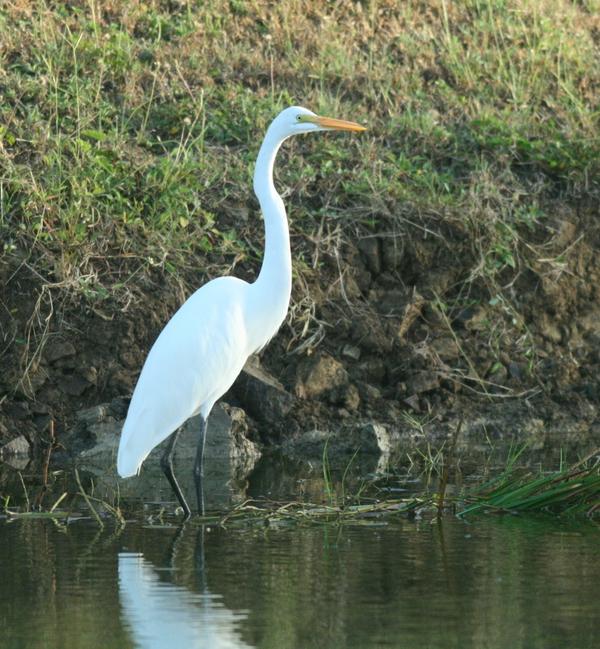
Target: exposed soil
point(397, 334)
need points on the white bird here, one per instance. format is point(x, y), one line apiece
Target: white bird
point(204, 346)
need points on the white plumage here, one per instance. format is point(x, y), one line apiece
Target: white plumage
point(187, 371)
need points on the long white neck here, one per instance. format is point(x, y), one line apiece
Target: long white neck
point(275, 277)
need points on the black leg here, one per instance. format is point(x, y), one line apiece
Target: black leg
point(166, 463)
point(199, 467)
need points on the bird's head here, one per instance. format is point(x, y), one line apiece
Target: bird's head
point(296, 119)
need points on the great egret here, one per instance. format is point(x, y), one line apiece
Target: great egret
point(204, 346)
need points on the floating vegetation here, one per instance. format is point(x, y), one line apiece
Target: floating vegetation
point(33, 507)
point(277, 513)
point(571, 491)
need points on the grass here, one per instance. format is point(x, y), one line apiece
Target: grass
point(573, 490)
point(33, 506)
point(570, 491)
point(123, 128)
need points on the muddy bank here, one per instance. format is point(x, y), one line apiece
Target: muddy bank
point(399, 340)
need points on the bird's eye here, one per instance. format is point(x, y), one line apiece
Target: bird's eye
point(298, 118)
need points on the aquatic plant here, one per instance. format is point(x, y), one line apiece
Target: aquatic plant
point(574, 490)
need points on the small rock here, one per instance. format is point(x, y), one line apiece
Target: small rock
point(589, 322)
point(374, 370)
point(57, 349)
point(412, 310)
point(517, 370)
point(413, 403)
point(393, 302)
point(42, 422)
point(350, 351)
point(351, 398)
point(446, 348)
point(451, 384)
point(375, 437)
point(123, 380)
point(549, 329)
point(129, 359)
point(36, 377)
point(261, 394)
point(118, 407)
point(243, 452)
point(567, 232)
point(318, 375)
point(393, 252)
point(370, 438)
point(50, 393)
point(90, 374)
point(309, 443)
point(473, 318)
point(503, 357)
point(17, 410)
point(368, 393)
point(17, 446)
point(17, 462)
point(38, 408)
point(73, 384)
point(463, 316)
point(94, 415)
point(146, 56)
point(361, 280)
point(350, 285)
point(369, 247)
point(479, 320)
point(423, 381)
point(371, 336)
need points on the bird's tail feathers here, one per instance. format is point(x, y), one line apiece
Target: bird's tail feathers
point(127, 465)
point(133, 450)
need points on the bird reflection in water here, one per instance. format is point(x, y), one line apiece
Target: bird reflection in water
point(161, 614)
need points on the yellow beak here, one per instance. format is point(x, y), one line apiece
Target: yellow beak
point(337, 124)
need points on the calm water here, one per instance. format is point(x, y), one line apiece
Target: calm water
point(496, 582)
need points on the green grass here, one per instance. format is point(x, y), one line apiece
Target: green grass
point(130, 122)
point(571, 491)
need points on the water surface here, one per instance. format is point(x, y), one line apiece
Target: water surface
point(494, 582)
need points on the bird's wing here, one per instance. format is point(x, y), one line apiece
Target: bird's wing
point(193, 362)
